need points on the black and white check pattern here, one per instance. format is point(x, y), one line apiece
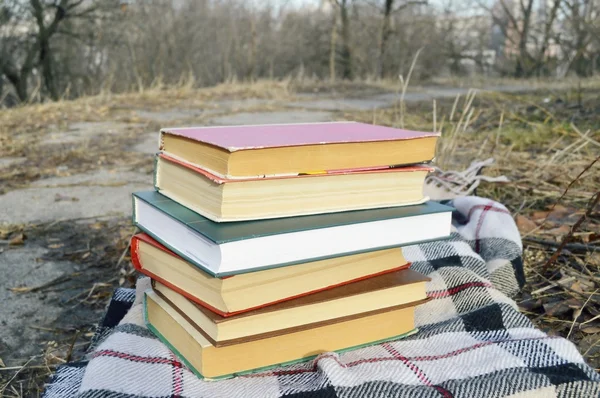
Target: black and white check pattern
point(472, 340)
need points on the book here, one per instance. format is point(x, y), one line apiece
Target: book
point(234, 294)
point(184, 338)
point(253, 151)
point(368, 296)
point(230, 248)
point(222, 200)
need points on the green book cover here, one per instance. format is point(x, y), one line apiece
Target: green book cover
point(240, 230)
point(262, 369)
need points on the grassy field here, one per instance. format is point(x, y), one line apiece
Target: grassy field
point(546, 141)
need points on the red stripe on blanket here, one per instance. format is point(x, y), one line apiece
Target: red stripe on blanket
point(177, 379)
point(485, 208)
point(335, 358)
point(136, 358)
point(491, 208)
point(456, 289)
point(409, 364)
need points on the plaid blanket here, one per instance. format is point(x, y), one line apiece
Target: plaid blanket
point(472, 340)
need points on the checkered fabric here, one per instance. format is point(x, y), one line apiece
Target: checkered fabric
point(472, 340)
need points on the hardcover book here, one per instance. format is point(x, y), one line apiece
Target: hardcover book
point(368, 296)
point(184, 338)
point(252, 151)
point(231, 248)
point(221, 199)
point(235, 294)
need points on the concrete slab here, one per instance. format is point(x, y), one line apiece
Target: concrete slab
point(170, 114)
point(21, 313)
point(239, 104)
point(340, 104)
point(103, 177)
point(79, 132)
point(273, 118)
point(147, 143)
point(7, 162)
point(321, 102)
point(64, 198)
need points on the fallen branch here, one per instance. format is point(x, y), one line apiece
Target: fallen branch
point(593, 202)
point(574, 247)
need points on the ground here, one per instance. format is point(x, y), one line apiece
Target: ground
point(67, 171)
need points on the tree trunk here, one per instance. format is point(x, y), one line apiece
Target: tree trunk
point(522, 67)
point(19, 82)
point(333, 43)
point(346, 48)
point(384, 37)
point(252, 52)
point(46, 61)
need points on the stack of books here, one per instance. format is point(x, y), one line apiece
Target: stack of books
point(272, 244)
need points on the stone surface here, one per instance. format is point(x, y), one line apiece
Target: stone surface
point(7, 162)
point(147, 143)
point(79, 132)
point(62, 198)
point(321, 102)
point(22, 313)
point(170, 114)
point(273, 118)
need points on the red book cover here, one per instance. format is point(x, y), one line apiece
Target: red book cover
point(364, 170)
point(135, 259)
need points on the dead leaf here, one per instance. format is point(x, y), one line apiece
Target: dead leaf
point(524, 224)
point(574, 303)
point(23, 289)
point(556, 309)
point(56, 246)
point(590, 329)
point(577, 287)
point(560, 231)
point(17, 240)
point(97, 225)
point(86, 255)
point(4, 234)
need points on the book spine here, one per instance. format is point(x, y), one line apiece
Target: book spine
point(135, 254)
point(198, 301)
point(155, 173)
point(161, 140)
point(133, 210)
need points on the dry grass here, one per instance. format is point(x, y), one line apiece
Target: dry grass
point(547, 144)
point(540, 140)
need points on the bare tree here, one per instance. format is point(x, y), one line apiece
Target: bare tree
point(579, 38)
point(388, 9)
point(342, 6)
point(520, 23)
point(30, 28)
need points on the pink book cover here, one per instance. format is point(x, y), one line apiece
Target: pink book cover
point(237, 138)
point(365, 170)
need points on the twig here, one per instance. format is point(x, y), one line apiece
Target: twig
point(592, 346)
point(590, 208)
point(70, 352)
point(126, 249)
point(585, 136)
point(497, 142)
point(571, 184)
point(586, 168)
point(55, 281)
point(579, 311)
point(15, 375)
point(553, 284)
point(569, 246)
